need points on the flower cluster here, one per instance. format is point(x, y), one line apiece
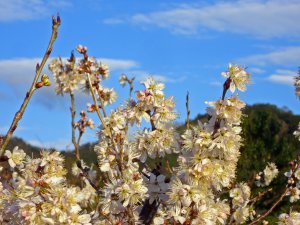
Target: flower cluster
point(38, 191)
point(297, 132)
point(71, 74)
point(136, 184)
point(292, 218)
point(297, 84)
point(265, 178)
point(293, 181)
point(16, 157)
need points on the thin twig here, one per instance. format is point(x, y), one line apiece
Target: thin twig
point(226, 86)
point(260, 195)
point(73, 113)
point(96, 102)
point(84, 173)
point(188, 112)
point(131, 87)
point(106, 128)
point(102, 103)
point(18, 116)
point(271, 209)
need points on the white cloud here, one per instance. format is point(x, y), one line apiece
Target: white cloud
point(113, 21)
point(260, 18)
point(58, 144)
point(283, 77)
point(119, 64)
point(143, 75)
point(289, 56)
point(18, 75)
point(18, 71)
point(22, 70)
point(13, 10)
point(216, 83)
point(256, 70)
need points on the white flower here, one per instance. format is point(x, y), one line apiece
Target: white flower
point(297, 173)
point(123, 79)
point(158, 220)
point(241, 215)
point(294, 193)
point(104, 70)
point(240, 195)
point(297, 132)
point(84, 219)
point(157, 187)
point(239, 77)
point(16, 157)
point(269, 173)
point(286, 219)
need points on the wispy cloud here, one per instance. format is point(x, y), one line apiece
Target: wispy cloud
point(17, 71)
point(13, 10)
point(58, 144)
point(215, 83)
point(286, 77)
point(119, 64)
point(289, 56)
point(21, 70)
point(113, 21)
point(141, 75)
point(256, 70)
point(260, 18)
point(18, 74)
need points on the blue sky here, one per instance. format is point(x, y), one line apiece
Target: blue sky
point(186, 44)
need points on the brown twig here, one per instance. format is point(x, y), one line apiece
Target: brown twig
point(106, 128)
point(188, 112)
point(260, 195)
point(18, 116)
point(226, 86)
point(271, 209)
point(84, 173)
point(73, 125)
point(102, 103)
point(3, 158)
point(131, 87)
point(96, 102)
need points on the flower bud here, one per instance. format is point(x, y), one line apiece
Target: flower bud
point(39, 85)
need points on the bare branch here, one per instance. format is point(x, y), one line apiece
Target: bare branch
point(39, 68)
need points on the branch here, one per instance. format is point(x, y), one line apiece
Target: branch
point(39, 68)
point(131, 87)
point(85, 174)
point(102, 104)
point(3, 158)
point(272, 208)
point(188, 112)
point(226, 86)
point(260, 195)
point(73, 113)
point(95, 102)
